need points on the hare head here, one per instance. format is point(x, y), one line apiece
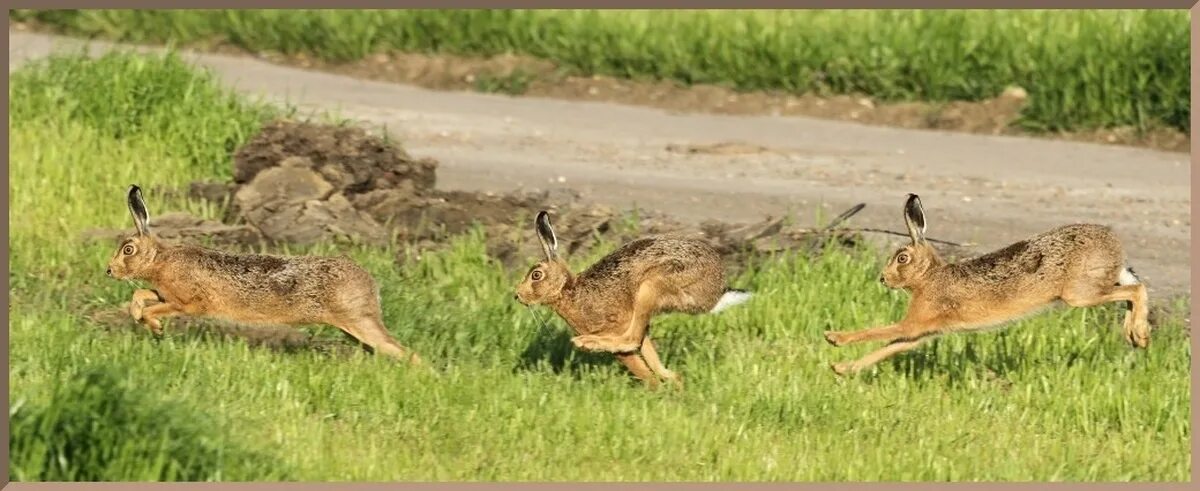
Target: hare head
point(545, 281)
point(912, 262)
point(134, 258)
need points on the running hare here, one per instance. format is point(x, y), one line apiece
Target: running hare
point(250, 288)
point(609, 306)
point(1082, 265)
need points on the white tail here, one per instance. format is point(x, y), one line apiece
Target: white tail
point(731, 298)
point(1128, 277)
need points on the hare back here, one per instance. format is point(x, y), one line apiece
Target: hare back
point(687, 274)
point(267, 288)
point(1042, 265)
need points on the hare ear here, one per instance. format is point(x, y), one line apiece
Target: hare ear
point(137, 208)
point(546, 235)
point(914, 217)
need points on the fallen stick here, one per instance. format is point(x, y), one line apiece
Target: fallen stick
point(844, 216)
point(902, 234)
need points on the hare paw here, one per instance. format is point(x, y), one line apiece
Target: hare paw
point(154, 326)
point(842, 368)
point(139, 301)
point(1138, 336)
point(835, 338)
point(135, 310)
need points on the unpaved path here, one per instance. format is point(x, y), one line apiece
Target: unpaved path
point(989, 190)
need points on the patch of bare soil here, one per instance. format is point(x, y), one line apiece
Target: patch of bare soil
point(522, 75)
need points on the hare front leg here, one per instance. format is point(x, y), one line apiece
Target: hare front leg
point(885, 333)
point(151, 314)
point(876, 356)
point(631, 338)
point(137, 303)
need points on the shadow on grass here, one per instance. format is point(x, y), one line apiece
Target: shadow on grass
point(551, 349)
point(929, 364)
point(1005, 355)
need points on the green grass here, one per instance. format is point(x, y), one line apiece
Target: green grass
point(1054, 397)
point(1082, 69)
point(95, 427)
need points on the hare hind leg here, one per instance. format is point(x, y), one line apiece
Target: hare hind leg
point(650, 353)
point(644, 303)
point(1136, 325)
point(637, 366)
point(370, 331)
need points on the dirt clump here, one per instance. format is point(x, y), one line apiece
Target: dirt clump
point(301, 182)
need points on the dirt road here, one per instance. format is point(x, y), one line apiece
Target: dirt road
point(988, 190)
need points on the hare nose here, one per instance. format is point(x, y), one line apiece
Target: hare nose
point(108, 272)
point(881, 279)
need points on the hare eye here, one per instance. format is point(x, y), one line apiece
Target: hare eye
point(127, 250)
point(536, 276)
point(902, 259)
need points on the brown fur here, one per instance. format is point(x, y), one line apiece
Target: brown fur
point(1077, 264)
point(249, 288)
point(609, 306)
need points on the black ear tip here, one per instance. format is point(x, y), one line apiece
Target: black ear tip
point(913, 203)
point(134, 189)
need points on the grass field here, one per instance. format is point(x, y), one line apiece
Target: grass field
point(1055, 397)
point(1082, 69)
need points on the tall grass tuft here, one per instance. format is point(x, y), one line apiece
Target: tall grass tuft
point(97, 427)
point(134, 97)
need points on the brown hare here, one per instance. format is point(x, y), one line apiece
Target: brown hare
point(1082, 265)
point(250, 288)
point(609, 306)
